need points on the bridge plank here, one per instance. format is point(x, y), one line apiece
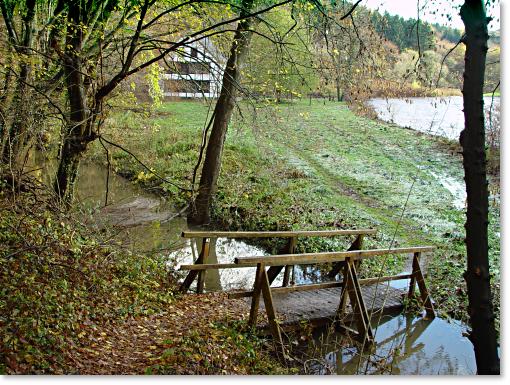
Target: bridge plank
point(319, 306)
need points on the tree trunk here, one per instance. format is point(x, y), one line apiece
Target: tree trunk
point(79, 129)
point(472, 139)
point(4, 103)
point(338, 94)
point(17, 135)
point(200, 213)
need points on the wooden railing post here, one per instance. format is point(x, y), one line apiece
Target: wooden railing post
point(204, 254)
point(291, 250)
point(420, 280)
point(353, 290)
point(255, 299)
point(343, 296)
point(271, 311)
point(193, 273)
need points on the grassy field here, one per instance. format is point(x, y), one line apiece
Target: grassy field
point(318, 166)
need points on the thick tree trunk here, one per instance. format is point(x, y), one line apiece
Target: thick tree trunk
point(472, 140)
point(79, 130)
point(200, 213)
point(4, 104)
point(17, 135)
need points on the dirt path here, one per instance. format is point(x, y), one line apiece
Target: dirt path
point(138, 343)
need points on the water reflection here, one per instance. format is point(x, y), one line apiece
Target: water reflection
point(405, 344)
point(222, 250)
point(433, 115)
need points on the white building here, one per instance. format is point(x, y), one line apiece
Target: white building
point(194, 73)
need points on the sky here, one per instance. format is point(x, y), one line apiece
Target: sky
point(408, 9)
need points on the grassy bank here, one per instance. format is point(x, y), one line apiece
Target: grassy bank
point(318, 166)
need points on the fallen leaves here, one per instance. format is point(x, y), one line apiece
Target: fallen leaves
point(184, 340)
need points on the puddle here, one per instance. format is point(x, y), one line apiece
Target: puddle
point(405, 345)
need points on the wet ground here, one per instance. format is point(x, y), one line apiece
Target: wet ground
point(147, 223)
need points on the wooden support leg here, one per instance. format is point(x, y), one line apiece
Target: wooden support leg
point(343, 297)
point(420, 280)
point(255, 299)
point(271, 312)
point(286, 276)
point(201, 275)
point(356, 245)
point(356, 297)
point(291, 249)
point(193, 273)
point(412, 286)
point(273, 272)
point(352, 289)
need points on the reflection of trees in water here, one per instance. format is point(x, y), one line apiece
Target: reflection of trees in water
point(212, 277)
point(399, 353)
point(223, 250)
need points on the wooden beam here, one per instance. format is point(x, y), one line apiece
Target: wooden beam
point(201, 274)
point(343, 296)
point(291, 250)
point(358, 304)
point(271, 312)
point(212, 266)
point(273, 272)
point(193, 274)
point(316, 286)
point(274, 234)
point(424, 293)
point(334, 256)
point(288, 289)
point(257, 287)
point(369, 281)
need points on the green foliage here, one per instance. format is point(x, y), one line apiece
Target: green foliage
point(226, 348)
point(402, 31)
point(58, 284)
point(452, 35)
point(281, 70)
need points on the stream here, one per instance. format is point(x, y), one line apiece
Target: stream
point(148, 223)
point(405, 344)
point(441, 116)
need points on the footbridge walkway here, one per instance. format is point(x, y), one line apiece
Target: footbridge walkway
point(344, 299)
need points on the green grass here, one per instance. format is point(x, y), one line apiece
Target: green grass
point(295, 166)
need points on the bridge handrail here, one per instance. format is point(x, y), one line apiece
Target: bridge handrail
point(334, 256)
point(199, 271)
point(275, 234)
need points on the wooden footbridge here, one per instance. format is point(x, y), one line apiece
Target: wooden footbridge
point(347, 300)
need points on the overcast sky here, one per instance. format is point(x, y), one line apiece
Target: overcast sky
point(408, 9)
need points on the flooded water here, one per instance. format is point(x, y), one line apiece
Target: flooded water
point(147, 223)
point(433, 115)
point(405, 344)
